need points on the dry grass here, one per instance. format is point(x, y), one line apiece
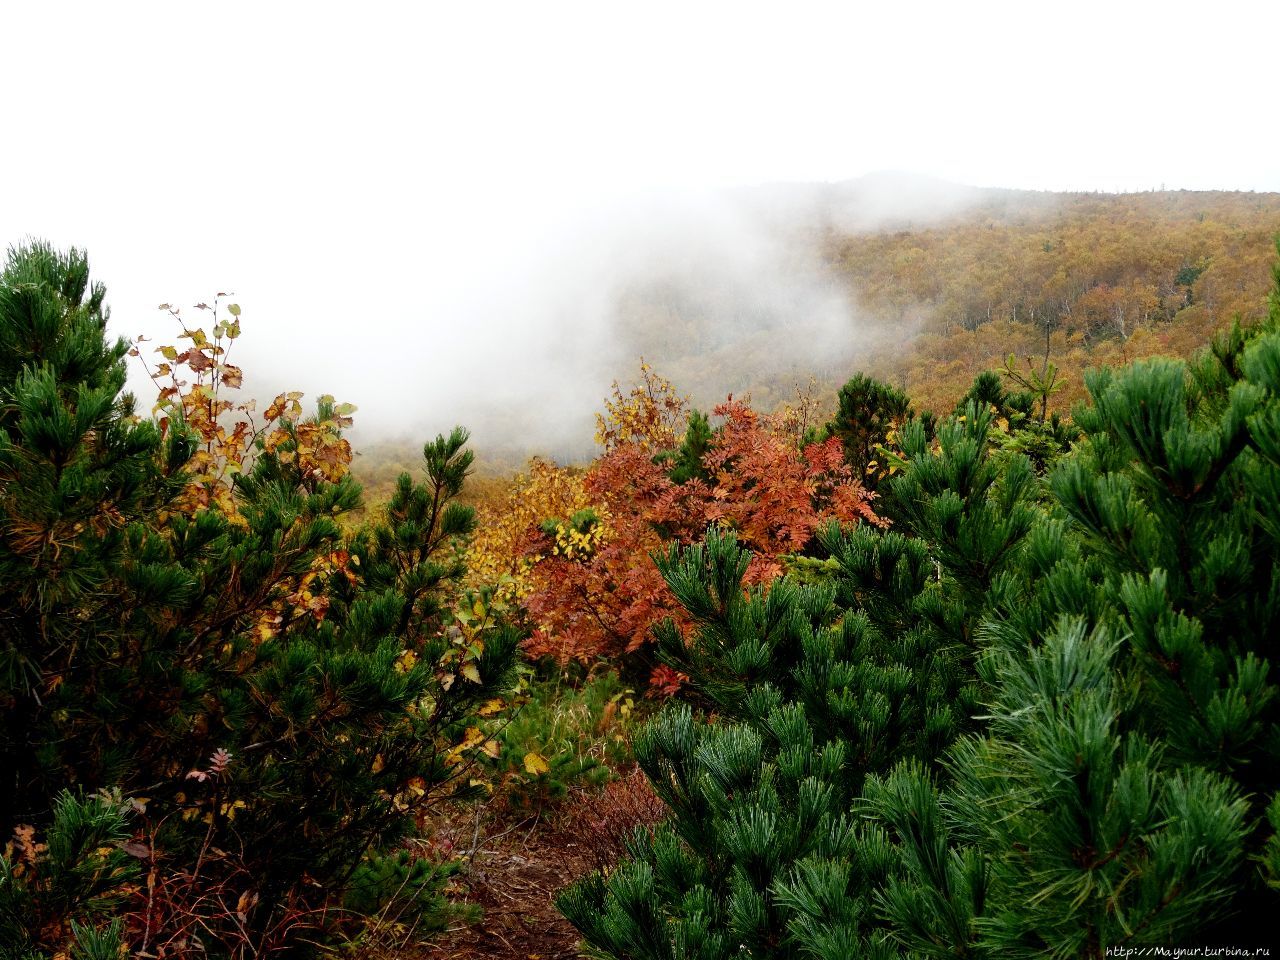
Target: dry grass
point(516, 867)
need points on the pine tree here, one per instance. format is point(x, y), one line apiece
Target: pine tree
point(687, 462)
point(75, 471)
point(816, 692)
point(69, 882)
point(868, 413)
point(286, 696)
point(1120, 791)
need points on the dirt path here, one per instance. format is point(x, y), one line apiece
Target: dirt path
point(520, 864)
point(517, 868)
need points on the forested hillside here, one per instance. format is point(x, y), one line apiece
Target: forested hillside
point(923, 285)
point(935, 295)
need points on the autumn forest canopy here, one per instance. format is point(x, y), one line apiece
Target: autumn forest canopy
point(790, 283)
point(917, 597)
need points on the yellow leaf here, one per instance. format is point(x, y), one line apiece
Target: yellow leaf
point(471, 672)
point(535, 763)
point(378, 764)
point(229, 809)
point(491, 707)
point(492, 748)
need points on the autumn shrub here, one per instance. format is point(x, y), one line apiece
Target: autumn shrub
point(498, 554)
point(182, 617)
point(595, 593)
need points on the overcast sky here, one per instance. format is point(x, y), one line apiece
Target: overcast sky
point(370, 178)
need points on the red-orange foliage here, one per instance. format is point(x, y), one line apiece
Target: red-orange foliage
point(604, 601)
point(773, 495)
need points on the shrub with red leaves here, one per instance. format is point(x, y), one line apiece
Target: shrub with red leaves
point(597, 594)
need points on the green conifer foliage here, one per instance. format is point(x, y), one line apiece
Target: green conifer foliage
point(1043, 439)
point(284, 695)
point(1038, 718)
point(63, 886)
point(868, 411)
point(75, 471)
point(687, 460)
point(1118, 793)
point(817, 692)
point(1090, 841)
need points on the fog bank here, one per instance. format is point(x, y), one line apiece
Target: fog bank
point(519, 330)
